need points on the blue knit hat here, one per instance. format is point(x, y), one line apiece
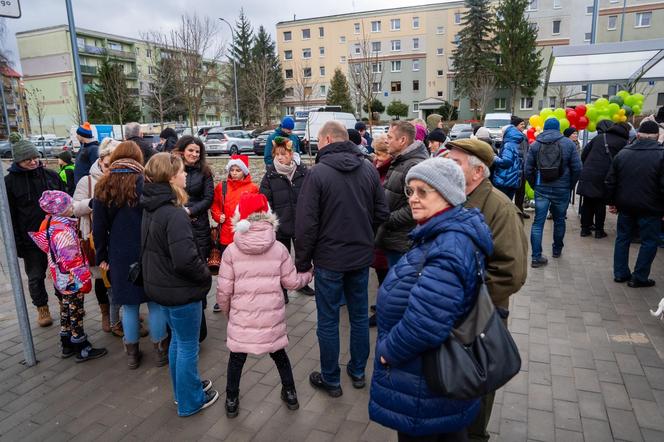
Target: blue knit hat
point(84, 130)
point(552, 123)
point(288, 123)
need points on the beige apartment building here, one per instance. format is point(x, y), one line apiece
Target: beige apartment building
point(16, 103)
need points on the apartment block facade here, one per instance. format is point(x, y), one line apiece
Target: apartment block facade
point(15, 103)
point(47, 62)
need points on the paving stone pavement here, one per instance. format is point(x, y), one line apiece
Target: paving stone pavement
point(592, 371)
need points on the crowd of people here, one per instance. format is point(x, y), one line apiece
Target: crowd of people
point(427, 213)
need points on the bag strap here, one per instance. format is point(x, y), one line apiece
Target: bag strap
point(606, 147)
point(224, 189)
point(145, 240)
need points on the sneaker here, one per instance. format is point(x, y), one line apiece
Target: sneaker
point(289, 396)
point(216, 308)
point(635, 283)
point(622, 279)
point(557, 253)
point(211, 397)
point(206, 384)
point(306, 290)
point(525, 215)
point(316, 381)
point(87, 352)
point(232, 406)
point(539, 262)
point(358, 381)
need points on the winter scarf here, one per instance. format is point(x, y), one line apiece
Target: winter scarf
point(287, 170)
point(126, 165)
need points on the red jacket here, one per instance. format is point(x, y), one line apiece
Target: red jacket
point(228, 204)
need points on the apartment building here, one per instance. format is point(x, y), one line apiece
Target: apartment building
point(15, 103)
point(47, 62)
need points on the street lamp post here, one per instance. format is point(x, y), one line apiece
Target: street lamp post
point(237, 101)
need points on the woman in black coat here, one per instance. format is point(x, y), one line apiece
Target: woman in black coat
point(281, 186)
point(597, 157)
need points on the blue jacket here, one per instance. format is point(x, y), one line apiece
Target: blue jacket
point(416, 314)
point(87, 155)
point(571, 161)
point(267, 154)
point(509, 164)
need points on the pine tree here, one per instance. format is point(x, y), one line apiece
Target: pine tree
point(474, 56)
point(397, 109)
point(110, 100)
point(521, 60)
point(264, 74)
point(376, 106)
point(240, 53)
point(339, 93)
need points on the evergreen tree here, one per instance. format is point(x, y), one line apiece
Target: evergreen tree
point(264, 74)
point(339, 93)
point(164, 100)
point(376, 106)
point(397, 109)
point(521, 60)
point(109, 99)
point(241, 54)
point(474, 56)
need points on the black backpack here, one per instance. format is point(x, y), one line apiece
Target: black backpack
point(550, 161)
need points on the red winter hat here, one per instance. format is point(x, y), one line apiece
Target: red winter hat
point(249, 204)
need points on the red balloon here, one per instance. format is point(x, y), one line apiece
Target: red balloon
point(580, 110)
point(572, 117)
point(582, 123)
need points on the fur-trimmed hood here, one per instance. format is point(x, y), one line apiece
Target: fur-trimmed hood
point(256, 234)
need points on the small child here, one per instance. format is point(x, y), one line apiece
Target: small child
point(67, 171)
point(254, 268)
point(70, 272)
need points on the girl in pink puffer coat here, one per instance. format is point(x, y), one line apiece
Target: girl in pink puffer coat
point(253, 270)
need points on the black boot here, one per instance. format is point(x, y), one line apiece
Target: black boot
point(86, 352)
point(286, 300)
point(289, 395)
point(232, 405)
point(68, 349)
point(585, 231)
point(600, 233)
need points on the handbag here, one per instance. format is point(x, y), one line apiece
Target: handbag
point(87, 245)
point(135, 275)
point(214, 257)
point(478, 357)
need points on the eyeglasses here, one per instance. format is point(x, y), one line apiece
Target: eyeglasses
point(421, 192)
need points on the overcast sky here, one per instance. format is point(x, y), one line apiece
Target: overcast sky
point(131, 17)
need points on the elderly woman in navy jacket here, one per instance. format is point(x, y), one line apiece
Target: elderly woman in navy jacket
point(424, 295)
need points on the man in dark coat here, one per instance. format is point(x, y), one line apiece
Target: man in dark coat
point(133, 132)
point(88, 153)
point(26, 181)
point(596, 158)
point(406, 151)
point(635, 190)
point(340, 205)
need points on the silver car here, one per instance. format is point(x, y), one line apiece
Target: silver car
point(239, 141)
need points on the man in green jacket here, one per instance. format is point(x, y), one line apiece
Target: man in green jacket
point(507, 268)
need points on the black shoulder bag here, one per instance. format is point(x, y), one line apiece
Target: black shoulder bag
point(479, 356)
point(135, 275)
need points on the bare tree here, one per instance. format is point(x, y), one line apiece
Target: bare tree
point(37, 102)
point(71, 103)
point(304, 83)
point(266, 91)
point(365, 70)
point(482, 91)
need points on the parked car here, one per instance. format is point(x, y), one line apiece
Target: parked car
point(259, 142)
point(316, 121)
point(300, 131)
point(378, 130)
point(44, 147)
point(495, 123)
point(461, 130)
point(239, 141)
point(5, 149)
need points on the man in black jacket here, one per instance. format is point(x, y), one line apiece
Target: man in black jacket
point(26, 181)
point(635, 190)
point(132, 132)
point(406, 152)
point(88, 153)
point(340, 205)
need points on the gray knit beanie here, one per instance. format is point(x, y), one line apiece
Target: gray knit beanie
point(444, 175)
point(24, 150)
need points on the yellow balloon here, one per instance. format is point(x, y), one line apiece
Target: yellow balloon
point(621, 112)
point(623, 119)
point(616, 118)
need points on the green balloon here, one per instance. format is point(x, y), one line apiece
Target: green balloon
point(636, 109)
point(546, 113)
point(628, 110)
point(603, 117)
point(601, 102)
point(592, 127)
point(623, 94)
point(559, 113)
point(591, 114)
point(639, 97)
point(564, 124)
point(617, 99)
point(613, 108)
point(631, 100)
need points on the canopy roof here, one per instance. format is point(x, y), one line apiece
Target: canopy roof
point(625, 61)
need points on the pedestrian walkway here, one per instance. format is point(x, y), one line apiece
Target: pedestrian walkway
point(592, 370)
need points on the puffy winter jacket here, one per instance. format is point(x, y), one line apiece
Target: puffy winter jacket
point(596, 161)
point(393, 234)
point(200, 188)
point(86, 157)
point(174, 273)
point(423, 296)
point(571, 161)
point(509, 164)
point(282, 195)
point(340, 205)
point(145, 146)
point(225, 205)
point(24, 188)
point(253, 270)
point(84, 193)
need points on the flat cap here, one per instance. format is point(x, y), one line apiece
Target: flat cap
point(477, 148)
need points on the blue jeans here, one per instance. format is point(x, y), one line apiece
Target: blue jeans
point(185, 324)
point(330, 289)
point(555, 199)
point(131, 323)
point(649, 228)
point(393, 257)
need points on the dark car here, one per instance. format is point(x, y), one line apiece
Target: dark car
point(5, 149)
point(260, 141)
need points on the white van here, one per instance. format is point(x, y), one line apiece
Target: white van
point(495, 123)
point(316, 120)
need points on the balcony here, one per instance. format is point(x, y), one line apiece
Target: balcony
point(96, 50)
point(88, 70)
point(132, 75)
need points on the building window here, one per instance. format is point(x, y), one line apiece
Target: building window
point(306, 53)
point(395, 86)
point(342, 39)
point(377, 68)
point(556, 4)
point(308, 90)
point(556, 27)
point(440, 51)
point(416, 106)
point(416, 65)
point(416, 43)
point(439, 72)
point(306, 34)
point(321, 32)
point(375, 86)
point(289, 92)
point(357, 49)
point(321, 51)
point(396, 45)
point(613, 88)
point(396, 66)
point(526, 103)
point(457, 39)
point(587, 36)
point(375, 46)
point(288, 73)
point(395, 24)
point(552, 102)
point(660, 99)
point(323, 90)
point(356, 27)
point(457, 18)
point(439, 93)
point(342, 59)
point(288, 55)
point(532, 5)
point(584, 88)
point(416, 23)
point(148, 53)
point(288, 35)
point(440, 30)
point(500, 104)
point(375, 26)
point(643, 19)
point(416, 85)
point(322, 71)
point(307, 72)
point(611, 25)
